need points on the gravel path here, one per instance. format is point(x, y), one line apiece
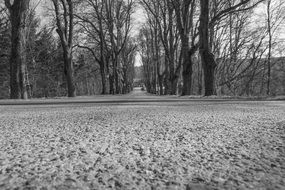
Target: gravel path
point(140, 145)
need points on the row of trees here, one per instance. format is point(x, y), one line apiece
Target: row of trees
point(41, 75)
point(187, 47)
point(91, 51)
point(213, 47)
point(106, 27)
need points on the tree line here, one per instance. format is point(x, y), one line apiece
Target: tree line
point(187, 47)
point(204, 47)
point(86, 48)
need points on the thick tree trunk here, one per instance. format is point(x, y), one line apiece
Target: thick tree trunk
point(153, 88)
point(187, 68)
point(103, 78)
point(209, 65)
point(18, 14)
point(15, 61)
point(115, 73)
point(184, 19)
point(160, 83)
point(117, 83)
point(173, 79)
point(125, 88)
point(200, 83)
point(23, 71)
point(187, 80)
point(111, 84)
point(69, 75)
point(154, 73)
point(166, 83)
point(173, 86)
point(207, 58)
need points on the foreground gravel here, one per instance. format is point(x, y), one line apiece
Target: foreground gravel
point(178, 145)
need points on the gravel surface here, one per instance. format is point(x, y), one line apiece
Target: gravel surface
point(140, 145)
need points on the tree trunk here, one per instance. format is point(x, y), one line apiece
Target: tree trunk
point(200, 79)
point(269, 47)
point(154, 73)
point(117, 82)
point(65, 32)
point(160, 82)
point(209, 66)
point(184, 19)
point(116, 79)
point(69, 75)
point(171, 61)
point(173, 86)
point(111, 84)
point(207, 58)
point(187, 79)
point(103, 78)
point(15, 60)
point(166, 82)
point(187, 68)
point(23, 71)
point(18, 13)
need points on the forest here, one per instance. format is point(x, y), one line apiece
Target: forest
point(181, 47)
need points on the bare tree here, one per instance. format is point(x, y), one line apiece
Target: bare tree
point(106, 27)
point(207, 57)
point(93, 27)
point(18, 13)
point(185, 23)
point(145, 40)
point(163, 16)
point(205, 36)
point(151, 49)
point(274, 18)
point(118, 21)
point(64, 22)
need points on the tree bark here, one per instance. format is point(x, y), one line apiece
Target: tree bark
point(69, 74)
point(184, 18)
point(111, 84)
point(18, 14)
point(103, 78)
point(160, 83)
point(187, 69)
point(207, 57)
